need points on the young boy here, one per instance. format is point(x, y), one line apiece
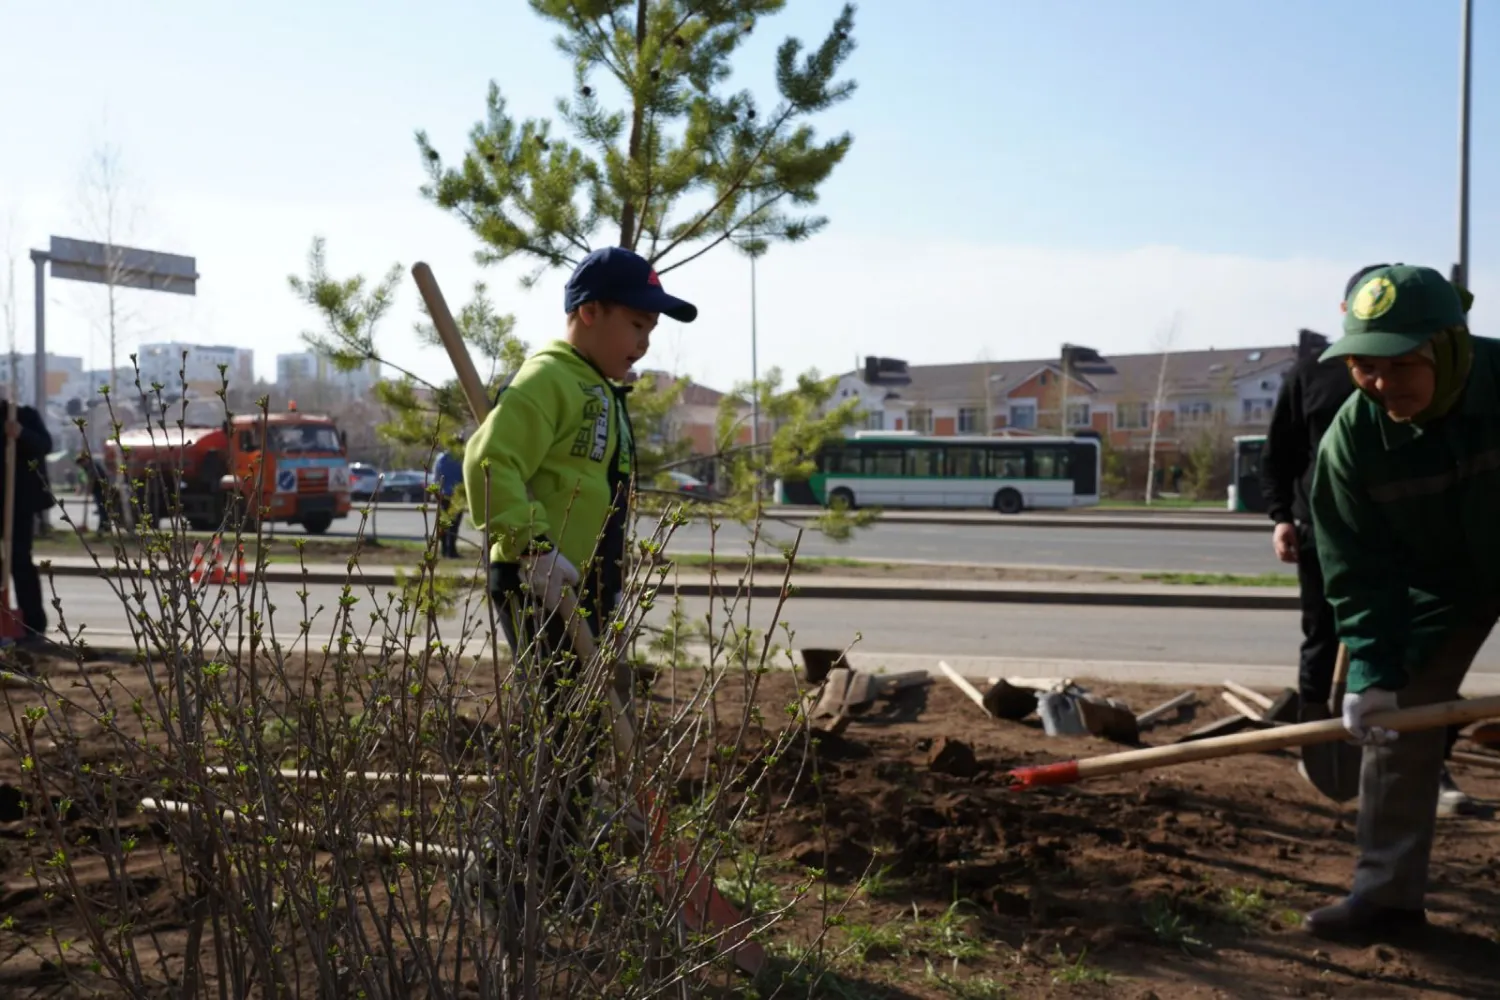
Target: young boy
point(1403, 504)
point(548, 472)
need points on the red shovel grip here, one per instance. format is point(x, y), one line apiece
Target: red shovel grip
point(1026, 778)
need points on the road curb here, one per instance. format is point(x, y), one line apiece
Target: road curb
point(1129, 522)
point(1091, 517)
point(1119, 595)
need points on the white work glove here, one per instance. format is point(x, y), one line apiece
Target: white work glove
point(547, 573)
point(1359, 707)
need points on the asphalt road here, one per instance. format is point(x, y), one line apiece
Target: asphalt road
point(1166, 645)
point(1113, 548)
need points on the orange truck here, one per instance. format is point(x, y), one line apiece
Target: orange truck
point(295, 464)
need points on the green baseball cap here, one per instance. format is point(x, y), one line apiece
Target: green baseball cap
point(1396, 309)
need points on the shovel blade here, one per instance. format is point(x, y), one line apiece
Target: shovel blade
point(1333, 769)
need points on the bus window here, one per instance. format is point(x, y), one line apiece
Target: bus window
point(1052, 463)
point(841, 460)
point(965, 463)
point(926, 463)
point(1008, 463)
point(884, 461)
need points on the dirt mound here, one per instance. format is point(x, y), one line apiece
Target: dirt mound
point(934, 879)
point(1189, 881)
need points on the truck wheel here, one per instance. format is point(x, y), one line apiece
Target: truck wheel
point(316, 524)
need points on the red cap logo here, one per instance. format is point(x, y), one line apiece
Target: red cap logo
point(652, 279)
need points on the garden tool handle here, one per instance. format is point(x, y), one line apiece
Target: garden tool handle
point(1340, 682)
point(1401, 720)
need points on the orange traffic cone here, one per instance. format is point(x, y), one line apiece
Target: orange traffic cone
point(196, 570)
point(219, 571)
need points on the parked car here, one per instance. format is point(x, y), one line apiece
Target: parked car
point(404, 486)
point(691, 485)
point(362, 479)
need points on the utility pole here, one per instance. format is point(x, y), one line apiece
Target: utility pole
point(1465, 85)
point(754, 364)
point(1062, 421)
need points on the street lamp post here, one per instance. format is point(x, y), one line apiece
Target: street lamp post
point(1465, 73)
point(754, 363)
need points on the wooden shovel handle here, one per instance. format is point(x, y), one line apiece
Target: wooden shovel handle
point(1402, 720)
point(1340, 681)
point(442, 319)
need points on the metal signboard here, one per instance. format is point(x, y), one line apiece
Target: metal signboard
point(123, 267)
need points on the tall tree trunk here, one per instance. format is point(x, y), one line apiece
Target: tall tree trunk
point(629, 235)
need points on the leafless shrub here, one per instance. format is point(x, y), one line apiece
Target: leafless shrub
point(355, 793)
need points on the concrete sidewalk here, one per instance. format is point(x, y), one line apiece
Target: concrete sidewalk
point(820, 587)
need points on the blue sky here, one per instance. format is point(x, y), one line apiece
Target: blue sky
point(1022, 173)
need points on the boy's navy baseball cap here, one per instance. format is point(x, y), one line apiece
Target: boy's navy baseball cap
point(614, 274)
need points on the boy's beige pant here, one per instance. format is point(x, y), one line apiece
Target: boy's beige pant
point(1399, 781)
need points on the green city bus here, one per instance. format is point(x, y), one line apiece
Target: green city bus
point(1246, 495)
point(903, 469)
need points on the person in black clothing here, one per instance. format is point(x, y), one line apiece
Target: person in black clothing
point(96, 478)
point(33, 442)
point(1311, 395)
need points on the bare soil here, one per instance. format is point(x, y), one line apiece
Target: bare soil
point(942, 882)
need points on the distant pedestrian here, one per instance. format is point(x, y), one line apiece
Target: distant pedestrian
point(96, 481)
point(24, 424)
point(448, 474)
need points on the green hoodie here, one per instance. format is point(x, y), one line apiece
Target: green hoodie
point(549, 457)
point(1407, 531)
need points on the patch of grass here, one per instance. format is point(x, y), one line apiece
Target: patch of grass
point(1286, 919)
point(881, 884)
point(867, 941)
point(1077, 971)
point(1244, 908)
point(1156, 502)
point(745, 882)
point(971, 988)
point(801, 972)
point(730, 561)
point(1222, 579)
point(948, 935)
point(1170, 927)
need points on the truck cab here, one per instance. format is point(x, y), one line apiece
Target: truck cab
point(294, 464)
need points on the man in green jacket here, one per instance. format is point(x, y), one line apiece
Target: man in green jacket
point(1404, 503)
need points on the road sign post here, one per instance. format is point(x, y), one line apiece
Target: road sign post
point(102, 264)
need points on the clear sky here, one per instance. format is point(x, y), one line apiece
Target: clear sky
point(1022, 174)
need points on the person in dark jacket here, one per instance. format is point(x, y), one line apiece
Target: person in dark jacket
point(33, 442)
point(1310, 396)
point(1403, 503)
point(96, 481)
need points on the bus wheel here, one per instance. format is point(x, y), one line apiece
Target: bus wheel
point(841, 496)
point(1008, 502)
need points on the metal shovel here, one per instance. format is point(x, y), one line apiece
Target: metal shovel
point(1333, 768)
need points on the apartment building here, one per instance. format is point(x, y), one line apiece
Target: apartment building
point(1229, 391)
point(315, 376)
point(195, 367)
